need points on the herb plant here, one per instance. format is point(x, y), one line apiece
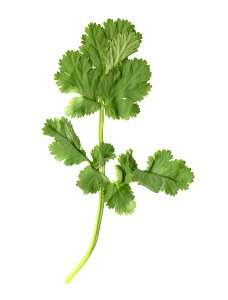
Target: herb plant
point(106, 81)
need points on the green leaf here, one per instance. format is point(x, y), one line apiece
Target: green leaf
point(72, 67)
point(120, 197)
point(107, 46)
point(101, 154)
point(67, 145)
point(127, 165)
point(123, 86)
point(91, 180)
point(123, 45)
point(63, 150)
point(81, 106)
point(112, 28)
point(119, 174)
point(135, 75)
point(94, 43)
point(121, 109)
point(61, 129)
point(77, 76)
point(165, 174)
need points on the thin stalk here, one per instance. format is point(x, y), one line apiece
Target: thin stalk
point(99, 211)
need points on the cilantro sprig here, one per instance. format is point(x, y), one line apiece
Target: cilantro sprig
point(105, 80)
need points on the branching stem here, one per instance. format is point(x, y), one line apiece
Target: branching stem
point(99, 211)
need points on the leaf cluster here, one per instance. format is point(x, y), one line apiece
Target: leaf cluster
point(101, 74)
point(162, 172)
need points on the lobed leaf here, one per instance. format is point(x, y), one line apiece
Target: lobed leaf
point(76, 75)
point(107, 46)
point(135, 75)
point(91, 180)
point(165, 174)
point(120, 197)
point(94, 44)
point(121, 109)
point(127, 166)
point(65, 151)
point(123, 86)
point(81, 106)
point(112, 28)
point(67, 146)
point(101, 73)
point(101, 154)
point(122, 46)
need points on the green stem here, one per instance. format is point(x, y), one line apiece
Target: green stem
point(99, 211)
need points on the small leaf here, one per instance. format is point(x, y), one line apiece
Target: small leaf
point(121, 109)
point(94, 43)
point(120, 197)
point(127, 166)
point(61, 129)
point(119, 174)
point(64, 150)
point(101, 154)
point(91, 180)
point(112, 28)
point(123, 45)
point(67, 145)
point(165, 174)
point(81, 106)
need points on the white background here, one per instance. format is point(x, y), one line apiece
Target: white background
point(172, 248)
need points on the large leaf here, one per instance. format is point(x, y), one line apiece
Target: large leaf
point(77, 76)
point(107, 46)
point(123, 86)
point(104, 51)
